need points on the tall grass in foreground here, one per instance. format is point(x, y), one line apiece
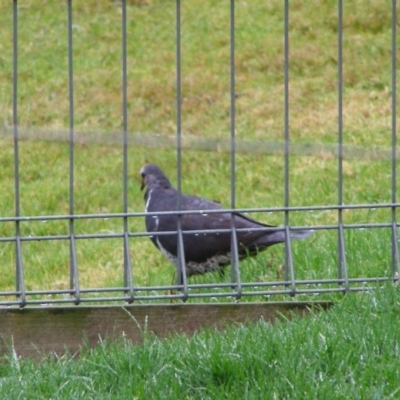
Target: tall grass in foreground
point(351, 351)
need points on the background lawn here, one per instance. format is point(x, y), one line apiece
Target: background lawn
point(43, 112)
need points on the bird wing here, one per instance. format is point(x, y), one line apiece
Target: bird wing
point(201, 246)
point(198, 247)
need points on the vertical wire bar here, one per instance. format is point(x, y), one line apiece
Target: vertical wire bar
point(235, 270)
point(182, 279)
point(128, 278)
point(289, 270)
point(74, 279)
point(395, 246)
point(342, 265)
point(20, 283)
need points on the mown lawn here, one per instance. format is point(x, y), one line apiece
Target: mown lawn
point(43, 107)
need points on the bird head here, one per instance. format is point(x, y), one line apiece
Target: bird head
point(152, 176)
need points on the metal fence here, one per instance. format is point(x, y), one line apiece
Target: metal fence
point(235, 289)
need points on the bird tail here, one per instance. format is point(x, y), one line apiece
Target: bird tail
point(279, 236)
point(301, 233)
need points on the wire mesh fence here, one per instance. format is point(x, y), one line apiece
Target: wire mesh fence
point(346, 241)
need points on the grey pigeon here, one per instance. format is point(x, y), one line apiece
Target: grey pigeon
point(204, 252)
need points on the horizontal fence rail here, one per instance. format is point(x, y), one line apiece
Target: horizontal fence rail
point(288, 283)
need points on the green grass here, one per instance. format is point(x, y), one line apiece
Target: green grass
point(205, 79)
point(350, 351)
point(43, 103)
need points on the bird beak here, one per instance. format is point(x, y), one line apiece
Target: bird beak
point(142, 185)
